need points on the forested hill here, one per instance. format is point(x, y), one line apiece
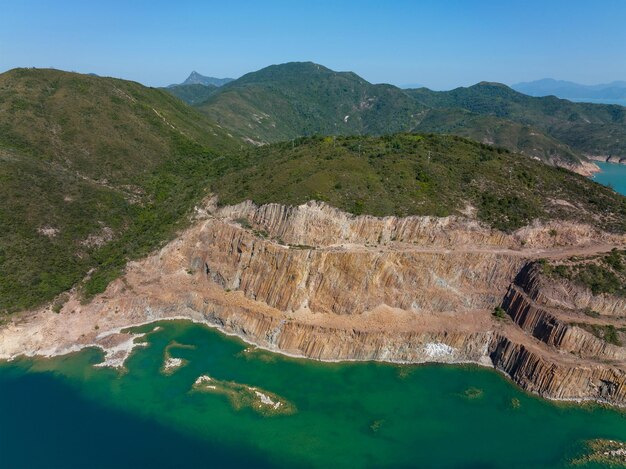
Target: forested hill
point(97, 171)
point(287, 101)
point(93, 172)
point(411, 174)
point(588, 129)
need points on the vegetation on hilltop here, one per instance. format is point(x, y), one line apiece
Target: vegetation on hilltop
point(282, 102)
point(291, 100)
point(590, 129)
point(96, 171)
point(93, 172)
point(519, 138)
point(408, 174)
point(601, 274)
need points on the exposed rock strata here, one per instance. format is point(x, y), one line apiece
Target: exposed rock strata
point(316, 282)
point(608, 158)
point(320, 225)
point(555, 293)
point(584, 168)
point(557, 331)
point(540, 374)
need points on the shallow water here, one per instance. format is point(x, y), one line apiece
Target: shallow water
point(63, 412)
point(613, 175)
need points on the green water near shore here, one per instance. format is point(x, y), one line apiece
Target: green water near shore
point(613, 175)
point(64, 412)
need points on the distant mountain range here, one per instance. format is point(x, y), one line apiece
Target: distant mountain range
point(608, 93)
point(197, 88)
point(291, 100)
point(196, 79)
point(281, 102)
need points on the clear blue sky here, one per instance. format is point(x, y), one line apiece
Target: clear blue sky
point(441, 44)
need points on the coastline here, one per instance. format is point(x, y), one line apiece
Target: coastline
point(418, 307)
point(131, 344)
point(612, 174)
point(608, 159)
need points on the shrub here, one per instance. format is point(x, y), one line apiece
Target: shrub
point(499, 312)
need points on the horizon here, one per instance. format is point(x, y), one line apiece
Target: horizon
point(440, 45)
point(401, 85)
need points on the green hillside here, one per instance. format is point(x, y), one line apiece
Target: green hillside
point(589, 129)
point(492, 130)
point(409, 174)
point(93, 172)
point(96, 171)
point(192, 94)
point(604, 273)
point(296, 99)
point(291, 100)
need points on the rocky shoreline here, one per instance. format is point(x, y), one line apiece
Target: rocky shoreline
point(608, 158)
point(314, 282)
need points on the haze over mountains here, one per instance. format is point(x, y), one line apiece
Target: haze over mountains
point(607, 93)
point(282, 102)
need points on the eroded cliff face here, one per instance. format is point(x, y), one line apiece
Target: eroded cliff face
point(317, 224)
point(351, 280)
point(559, 293)
point(561, 328)
point(539, 373)
point(590, 367)
point(313, 281)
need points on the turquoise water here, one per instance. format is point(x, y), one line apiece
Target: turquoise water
point(613, 175)
point(63, 412)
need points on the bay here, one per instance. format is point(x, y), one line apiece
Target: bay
point(613, 175)
point(64, 412)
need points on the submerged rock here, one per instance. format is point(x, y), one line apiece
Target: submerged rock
point(171, 364)
point(607, 452)
point(241, 395)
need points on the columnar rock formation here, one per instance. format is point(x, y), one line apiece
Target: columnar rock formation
point(316, 282)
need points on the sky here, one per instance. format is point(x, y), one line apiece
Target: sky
point(440, 44)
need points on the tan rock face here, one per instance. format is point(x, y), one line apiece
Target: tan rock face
point(590, 367)
point(313, 281)
point(559, 329)
point(317, 224)
point(540, 374)
point(350, 280)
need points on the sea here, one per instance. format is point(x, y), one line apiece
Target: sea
point(612, 175)
point(64, 412)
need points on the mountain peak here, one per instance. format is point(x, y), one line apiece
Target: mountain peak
point(492, 84)
point(195, 78)
point(295, 73)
